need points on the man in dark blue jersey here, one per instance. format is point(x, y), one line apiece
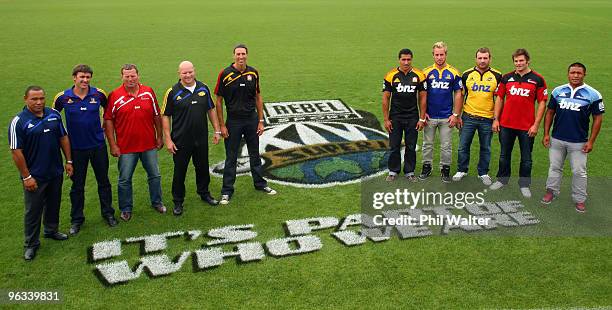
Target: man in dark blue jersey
point(570, 107)
point(81, 104)
point(35, 137)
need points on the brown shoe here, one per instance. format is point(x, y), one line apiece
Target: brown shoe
point(160, 208)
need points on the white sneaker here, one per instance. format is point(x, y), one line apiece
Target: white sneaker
point(486, 179)
point(497, 185)
point(225, 199)
point(268, 190)
point(526, 192)
point(459, 175)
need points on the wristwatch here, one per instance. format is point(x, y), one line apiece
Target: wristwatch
point(455, 114)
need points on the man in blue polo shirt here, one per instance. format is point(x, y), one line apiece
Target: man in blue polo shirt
point(570, 106)
point(35, 138)
point(81, 104)
point(444, 101)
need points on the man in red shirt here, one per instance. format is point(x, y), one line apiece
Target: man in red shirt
point(134, 131)
point(515, 116)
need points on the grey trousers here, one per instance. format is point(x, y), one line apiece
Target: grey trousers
point(42, 203)
point(446, 147)
point(557, 153)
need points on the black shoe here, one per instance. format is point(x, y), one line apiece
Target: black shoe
point(75, 228)
point(178, 210)
point(268, 190)
point(56, 236)
point(30, 253)
point(425, 172)
point(111, 221)
point(210, 200)
point(445, 174)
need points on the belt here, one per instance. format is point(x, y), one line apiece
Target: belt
point(476, 116)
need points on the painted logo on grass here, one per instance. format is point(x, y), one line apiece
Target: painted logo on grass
point(317, 143)
point(219, 245)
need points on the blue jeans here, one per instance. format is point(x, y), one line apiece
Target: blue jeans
point(485, 134)
point(127, 164)
point(506, 140)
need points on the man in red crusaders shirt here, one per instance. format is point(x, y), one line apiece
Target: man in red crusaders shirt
point(516, 117)
point(134, 131)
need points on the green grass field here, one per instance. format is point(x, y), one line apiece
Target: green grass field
point(303, 50)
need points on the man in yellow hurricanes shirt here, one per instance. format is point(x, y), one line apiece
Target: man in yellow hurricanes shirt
point(479, 84)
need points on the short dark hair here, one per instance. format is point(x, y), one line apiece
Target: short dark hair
point(483, 50)
point(404, 51)
point(129, 67)
point(241, 45)
point(519, 52)
point(577, 64)
point(32, 88)
point(81, 68)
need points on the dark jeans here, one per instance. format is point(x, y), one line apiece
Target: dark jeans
point(237, 128)
point(402, 128)
point(45, 203)
point(199, 153)
point(506, 140)
point(99, 163)
point(485, 133)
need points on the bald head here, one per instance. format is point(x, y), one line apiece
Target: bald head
point(185, 64)
point(186, 73)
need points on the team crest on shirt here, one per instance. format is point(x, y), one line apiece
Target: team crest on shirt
point(415, 79)
point(70, 100)
point(396, 80)
point(93, 100)
point(179, 98)
point(249, 78)
point(448, 76)
point(489, 79)
point(317, 143)
point(431, 77)
point(202, 94)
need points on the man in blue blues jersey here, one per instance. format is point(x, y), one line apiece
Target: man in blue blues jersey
point(570, 107)
point(444, 101)
point(36, 136)
point(82, 104)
